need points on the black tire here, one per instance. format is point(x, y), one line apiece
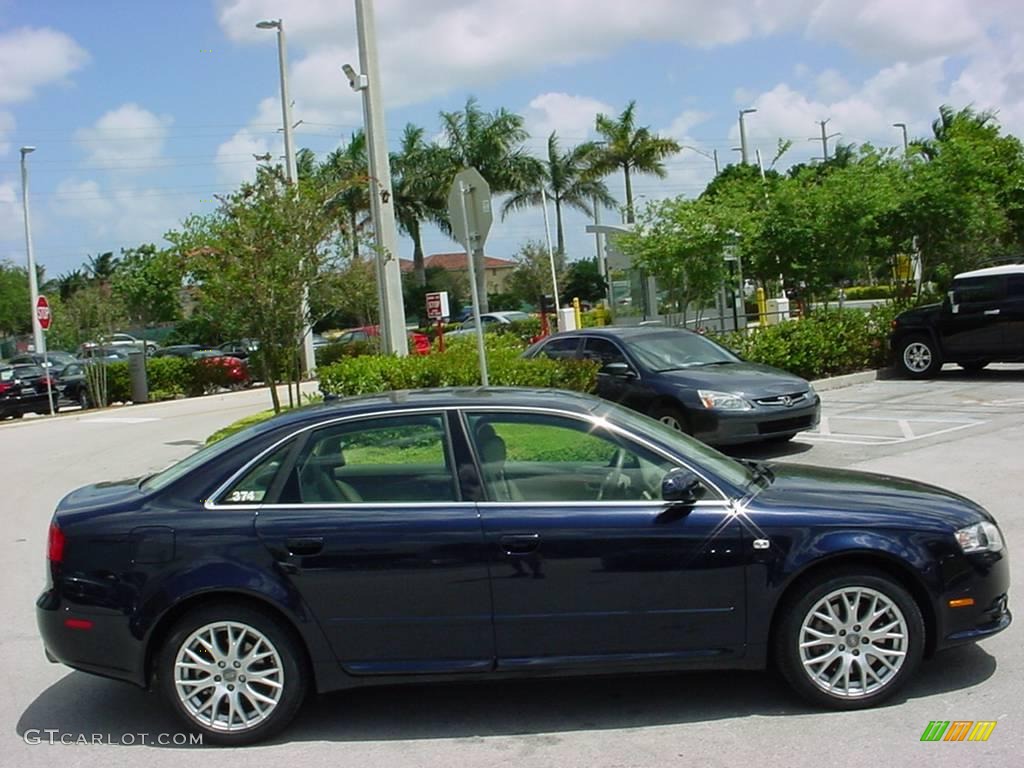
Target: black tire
point(809, 598)
point(672, 416)
point(83, 399)
point(289, 666)
point(918, 357)
point(974, 366)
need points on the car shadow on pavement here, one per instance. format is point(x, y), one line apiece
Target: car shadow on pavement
point(768, 450)
point(1005, 373)
point(80, 704)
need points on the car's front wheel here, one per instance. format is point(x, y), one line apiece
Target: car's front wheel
point(671, 416)
point(919, 357)
point(851, 640)
point(232, 673)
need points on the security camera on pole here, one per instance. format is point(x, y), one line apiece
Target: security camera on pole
point(469, 211)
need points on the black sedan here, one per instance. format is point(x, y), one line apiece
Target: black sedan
point(19, 396)
point(73, 384)
point(488, 533)
point(691, 383)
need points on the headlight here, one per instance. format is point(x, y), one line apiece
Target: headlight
point(722, 401)
point(811, 391)
point(980, 537)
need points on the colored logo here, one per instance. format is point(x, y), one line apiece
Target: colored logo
point(958, 730)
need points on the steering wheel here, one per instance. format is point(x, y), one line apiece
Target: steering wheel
point(611, 480)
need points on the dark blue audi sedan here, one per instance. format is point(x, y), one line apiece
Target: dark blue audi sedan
point(476, 534)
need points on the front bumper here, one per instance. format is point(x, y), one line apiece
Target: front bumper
point(760, 423)
point(985, 578)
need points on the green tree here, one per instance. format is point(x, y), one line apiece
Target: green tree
point(148, 283)
point(631, 149)
point(569, 182)
point(417, 172)
point(583, 281)
point(531, 279)
point(251, 259)
point(100, 268)
point(15, 317)
point(344, 178)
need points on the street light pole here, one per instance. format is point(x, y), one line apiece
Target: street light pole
point(292, 177)
point(906, 144)
point(744, 154)
point(38, 339)
point(551, 257)
point(382, 208)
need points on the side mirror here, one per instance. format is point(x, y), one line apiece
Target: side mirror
point(621, 370)
point(681, 486)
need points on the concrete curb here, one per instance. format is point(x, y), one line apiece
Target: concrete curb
point(851, 379)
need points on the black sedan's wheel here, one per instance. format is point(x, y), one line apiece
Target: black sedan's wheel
point(233, 674)
point(83, 399)
point(851, 641)
point(919, 358)
point(671, 416)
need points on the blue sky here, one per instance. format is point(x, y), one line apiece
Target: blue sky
point(141, 112)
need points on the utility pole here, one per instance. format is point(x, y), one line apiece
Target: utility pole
point(292, 177)
point(38, 339)
point(744, 153)
point(382, 205)
point(824, 138)
point(906, 144)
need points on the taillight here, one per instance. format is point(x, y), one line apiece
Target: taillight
point(4, 386)
point(55, 544)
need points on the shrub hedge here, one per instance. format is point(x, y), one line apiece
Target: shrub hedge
point(826, 343)
point(169, 377)
point(456, 366)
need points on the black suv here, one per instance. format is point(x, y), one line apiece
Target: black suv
point(980, 321)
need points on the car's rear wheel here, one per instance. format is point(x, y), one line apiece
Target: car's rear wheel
point(232, 673)
point(974, 366)
point(850, 641)
point(83, 399)
point(671, 416)
point(919, 358)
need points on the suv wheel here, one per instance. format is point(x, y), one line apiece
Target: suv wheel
point(851, 641)
point(919, 358)
point(232, 673)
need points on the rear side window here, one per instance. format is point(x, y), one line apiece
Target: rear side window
point(254, 485)
point(560, 349)
point(1015, 287)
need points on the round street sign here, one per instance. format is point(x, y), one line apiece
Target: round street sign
point(43, 312)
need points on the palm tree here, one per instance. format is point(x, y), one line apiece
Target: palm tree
point(568, 181)
point(417, 170)
point(342, 170)
point(69, 283)
point(100, 268)
point(951, 121)
point(634, 150)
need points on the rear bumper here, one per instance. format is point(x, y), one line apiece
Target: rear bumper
point(760, 423)
point(107, 648)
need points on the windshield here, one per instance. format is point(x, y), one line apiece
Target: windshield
point(161, 480)
point(680, 349)
point(687, 447)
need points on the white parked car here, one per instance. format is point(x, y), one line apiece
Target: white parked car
point(488, 320)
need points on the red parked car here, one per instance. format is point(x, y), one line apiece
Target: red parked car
point(235, 370)
point(419, 343)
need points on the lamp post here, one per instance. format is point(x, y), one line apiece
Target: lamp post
point(33, 288)
point(710, 156)
point(292, 177)
point(382, 207)
point(906, 144)
point(744, 154)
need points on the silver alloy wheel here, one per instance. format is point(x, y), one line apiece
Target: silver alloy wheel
point(671, 421)
point(228, 676)
point(853, 642)
point(917, 356)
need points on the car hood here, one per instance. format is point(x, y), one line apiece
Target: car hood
point(864, 498)
point(749, 379)
point(919, 314)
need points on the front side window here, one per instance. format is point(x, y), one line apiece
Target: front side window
point(603, 351)
point(395, 459)
point(546, 458)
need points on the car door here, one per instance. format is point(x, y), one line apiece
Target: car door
point(972, 323)
point(620, 386)
point(371, 529)
point(1013, 322)
point(588, 564)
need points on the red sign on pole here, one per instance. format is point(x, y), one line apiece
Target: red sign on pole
point(43, 312)
point(437, 305)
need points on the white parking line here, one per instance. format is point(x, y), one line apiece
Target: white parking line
point(828, 433)
point(118, 420)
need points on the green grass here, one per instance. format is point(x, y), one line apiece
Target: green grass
point(239, 425)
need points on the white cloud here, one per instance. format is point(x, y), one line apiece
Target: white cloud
point(235, 163)
point(11, 222)
point(6, 129)
point(571, 116)
point(126, 138)
point(121, 216)
point(32, 58)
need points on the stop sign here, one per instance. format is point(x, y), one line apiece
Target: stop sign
point(43, 312)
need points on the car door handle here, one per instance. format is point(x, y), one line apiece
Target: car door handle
point(304, 546)
point(991, 311)
point(519, 544)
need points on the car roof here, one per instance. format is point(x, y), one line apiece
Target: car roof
point(623, 331)
point(454, 397)
point(1005, 269)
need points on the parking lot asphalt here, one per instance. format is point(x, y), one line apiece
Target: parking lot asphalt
point(964, 432)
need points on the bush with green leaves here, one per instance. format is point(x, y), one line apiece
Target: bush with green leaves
point(168, 378)
point(457, 366)
point(826, 343)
